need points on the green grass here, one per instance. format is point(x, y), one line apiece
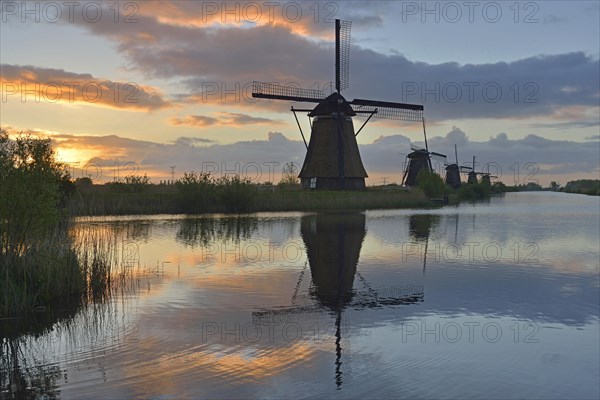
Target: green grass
point(158, 200)
point(110, 203)
point(60, 271)
point(330, 200)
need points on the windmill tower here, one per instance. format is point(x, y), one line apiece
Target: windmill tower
point(332, 158)
point(453, 172)
point(418, 160)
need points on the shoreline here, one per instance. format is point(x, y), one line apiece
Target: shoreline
point(106, 203)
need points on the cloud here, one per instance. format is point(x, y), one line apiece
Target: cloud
point(514, 160)
point(553, 19)
point(201, 47)
point(547, 157)
point(520, 89)
point(102, 156)
point(203, 57)
point(228, 118)
point(222, 118)
point(191, 141)
point(198, 46)
point(99, 162)
point(56, 85)
point(194, 120)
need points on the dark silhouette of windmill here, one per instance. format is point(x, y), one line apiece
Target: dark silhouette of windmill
point(453, 172)
point(485, 176)
point(333, 243)
point(332, 159)
point(418, 160)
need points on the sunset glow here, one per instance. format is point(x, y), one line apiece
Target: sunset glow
point(151, 73)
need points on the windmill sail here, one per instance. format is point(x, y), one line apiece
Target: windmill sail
point(389, 110)
point(332, 159)
point(272, 91)
point(342, 54)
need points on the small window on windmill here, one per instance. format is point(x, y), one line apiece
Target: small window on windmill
point(313, 183)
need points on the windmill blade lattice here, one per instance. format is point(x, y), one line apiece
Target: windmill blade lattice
point(342, 54)
point(390, 110)
point(273, 91)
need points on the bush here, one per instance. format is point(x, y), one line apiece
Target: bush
point(235, 194)
point(584, 186)
point(131, 184)
point(498, 187)
point(474, 191)
point(195, 192)
point(200, 193)
point(432, 184)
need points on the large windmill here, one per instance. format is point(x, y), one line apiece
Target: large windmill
point(332, 159)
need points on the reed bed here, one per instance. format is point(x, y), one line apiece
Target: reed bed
point(72, 266)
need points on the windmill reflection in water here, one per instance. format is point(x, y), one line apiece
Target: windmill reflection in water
point(333, 243)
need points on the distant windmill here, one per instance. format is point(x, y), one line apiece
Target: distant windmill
point(485, 176)
point(332, 159)
point(453, 172)
point(418, 160)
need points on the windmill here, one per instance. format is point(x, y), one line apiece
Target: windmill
point(332, 158)
point(485, 176)
point(418, 160)
point(453, 172)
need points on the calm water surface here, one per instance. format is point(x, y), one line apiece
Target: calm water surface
point(493, 300)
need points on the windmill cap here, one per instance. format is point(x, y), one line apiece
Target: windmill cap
point(418, 153)
point(330, 105)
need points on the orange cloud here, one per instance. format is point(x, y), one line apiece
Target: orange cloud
point(304, 19)
point(222, 118)
point(34, 84)
point(193, 120)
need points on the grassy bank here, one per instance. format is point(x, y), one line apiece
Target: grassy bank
point(328, 200)
point(160, 200)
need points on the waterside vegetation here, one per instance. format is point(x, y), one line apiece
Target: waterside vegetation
point(40, 262)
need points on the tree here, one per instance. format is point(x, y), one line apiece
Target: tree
point(289, 174)
point(555, 186)
point(31, 181)
point(38, 260)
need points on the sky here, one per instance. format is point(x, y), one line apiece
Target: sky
point(161, 88)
